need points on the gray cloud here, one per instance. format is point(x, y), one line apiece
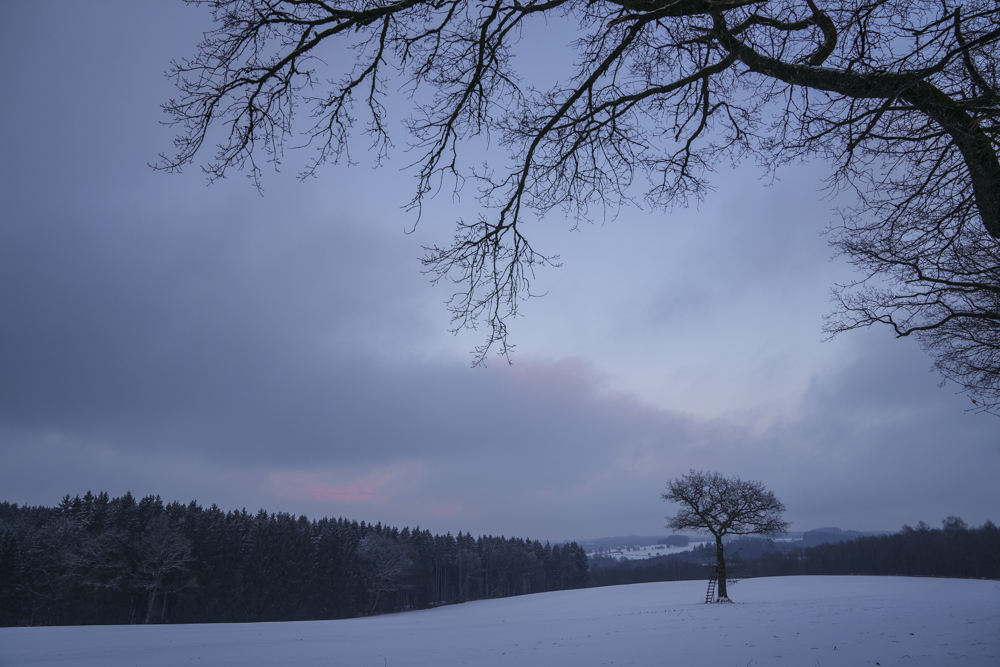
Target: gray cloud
point(284, 352)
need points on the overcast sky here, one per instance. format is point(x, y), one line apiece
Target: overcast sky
point(284, 352)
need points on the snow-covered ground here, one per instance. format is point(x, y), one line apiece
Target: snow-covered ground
point(802, 621)
point(641, 553)
point(649, 551)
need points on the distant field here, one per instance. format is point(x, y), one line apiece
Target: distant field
point(643, 552)
point(802, 621)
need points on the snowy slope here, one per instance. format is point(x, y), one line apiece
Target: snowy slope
point(809, 621)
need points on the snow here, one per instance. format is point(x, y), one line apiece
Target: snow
point(824, 621)
point(641, 553)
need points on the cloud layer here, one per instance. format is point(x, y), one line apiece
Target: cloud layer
point(284, 351)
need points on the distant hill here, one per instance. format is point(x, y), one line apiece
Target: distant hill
point(808, 538)
point(624, 541)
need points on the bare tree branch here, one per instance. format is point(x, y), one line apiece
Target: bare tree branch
point(901, 98)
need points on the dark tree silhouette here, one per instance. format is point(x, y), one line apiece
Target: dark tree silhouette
point(901, 97)
point(724, 506)
point(162, 563)
point(98, 560)
point(386, 566)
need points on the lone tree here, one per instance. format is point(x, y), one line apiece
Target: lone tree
point(724, 506)
point(900, 97)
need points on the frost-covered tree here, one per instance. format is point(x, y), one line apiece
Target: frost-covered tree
point(385, 566)
point(724, 506)
point(162, 563)
point(470, 568)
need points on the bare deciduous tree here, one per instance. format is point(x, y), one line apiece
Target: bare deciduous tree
point(162, 559)
point(386, 566)
point(901, 97)
point(57, 561)
point(470, 568)
point(724, 506)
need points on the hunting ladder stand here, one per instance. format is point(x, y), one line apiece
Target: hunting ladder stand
point(712, 578)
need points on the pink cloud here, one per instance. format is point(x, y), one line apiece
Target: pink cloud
point(346, 492)
point(445, 509)
point(570, 374)
point(323, 485)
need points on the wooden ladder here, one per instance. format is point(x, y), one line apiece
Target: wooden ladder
point(710, 595)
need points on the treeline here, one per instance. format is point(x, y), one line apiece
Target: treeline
point(956, 550)
point(101, 560)
point(607, 571)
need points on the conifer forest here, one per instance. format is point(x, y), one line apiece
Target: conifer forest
point(101, 560)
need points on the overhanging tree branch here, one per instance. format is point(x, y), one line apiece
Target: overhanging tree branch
point(902, 98)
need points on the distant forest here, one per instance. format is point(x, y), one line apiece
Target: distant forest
point(101, 560)
point(955, 550)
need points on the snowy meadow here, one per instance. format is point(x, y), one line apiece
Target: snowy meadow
point(810, 621)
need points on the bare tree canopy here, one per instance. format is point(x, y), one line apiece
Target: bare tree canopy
point(900, 97)
point(724, 506)
point(386, 566)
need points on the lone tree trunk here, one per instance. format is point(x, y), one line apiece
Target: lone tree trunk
point(720, 559)
point(149, 604)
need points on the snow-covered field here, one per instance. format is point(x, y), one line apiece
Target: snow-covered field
point(641, 553)
point(802, 621)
